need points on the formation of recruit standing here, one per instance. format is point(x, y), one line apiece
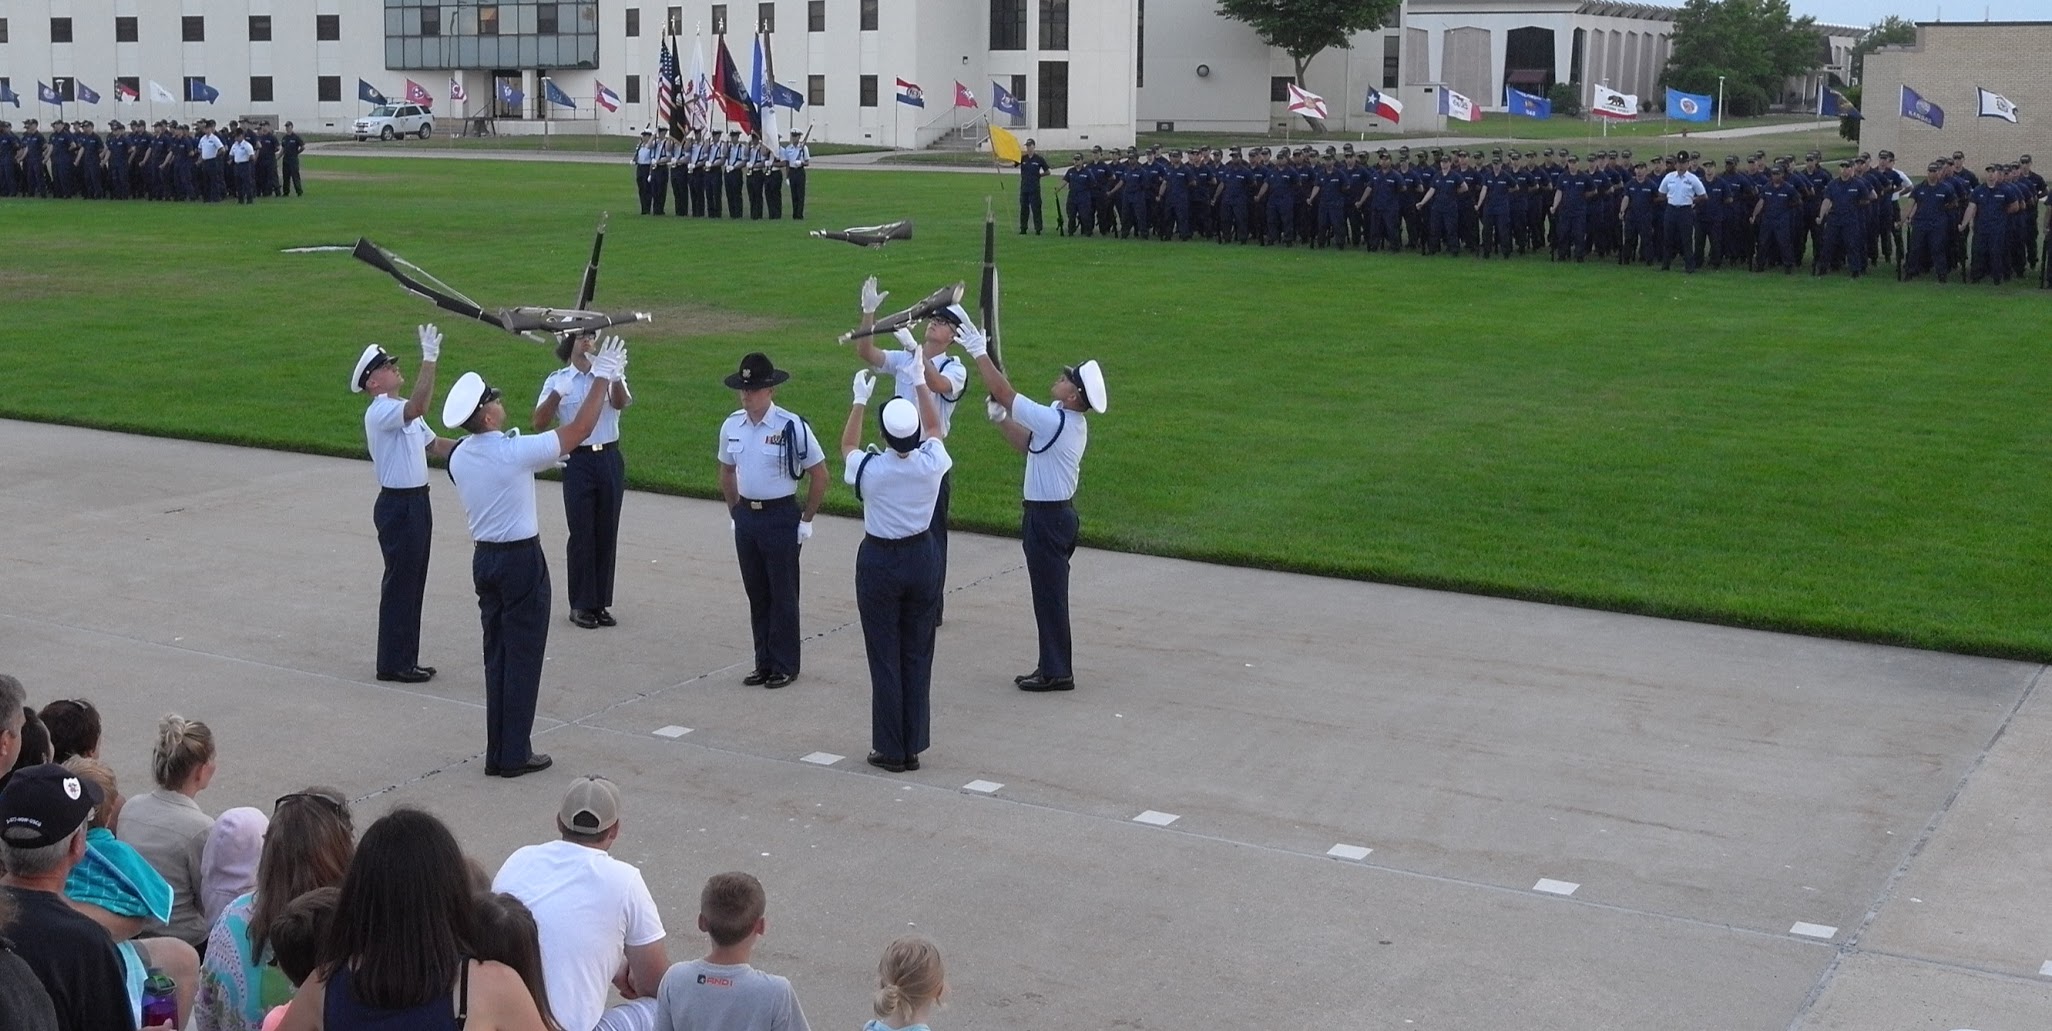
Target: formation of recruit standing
point(165, 161)
point(707, 175)
point(773, 477)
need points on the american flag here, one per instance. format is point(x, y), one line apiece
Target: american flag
point(667, 89)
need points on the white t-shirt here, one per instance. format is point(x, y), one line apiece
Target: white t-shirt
point(590, 908)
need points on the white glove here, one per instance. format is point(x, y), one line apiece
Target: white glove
point(872, 298)
point(972, 340)
point(961, 315)
point(609, 362)
point(907, 341)
point(804, 531)
point(865, 385)
point(995, 411)
point(430, 343)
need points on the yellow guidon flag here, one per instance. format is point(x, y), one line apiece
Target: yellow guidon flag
point(1004, 146)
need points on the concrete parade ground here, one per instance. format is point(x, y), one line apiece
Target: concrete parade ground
point(1274, 800)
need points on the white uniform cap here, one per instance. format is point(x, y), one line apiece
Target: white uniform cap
point(364, 362)
point(463, 400)
point(1092, 376)
point(900, 418)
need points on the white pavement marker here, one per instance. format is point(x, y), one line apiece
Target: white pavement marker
point(672, 731)
point(1814, 930)
point(1156, 819)
point(982, 787)
point(821, 758)
point(1553, 887)
point(1353, 852)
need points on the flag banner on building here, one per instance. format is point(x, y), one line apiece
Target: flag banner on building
point(511, 97)
point(125, 93)
point(1004, 146)
point(1689, 107)
point(1002, 100)
point(1609, 103)
point(369, 94)
point(87, 94)
point(159, 94)
point(456, 93)
point(1833, 104)
point(1916, 108)
point(910, 93)
point(605, 98)
point(1306, 103)
point(1384, 106)
point(1526, 105)
point(696, 91)
point(1993, 105)
point(1457, 107)
point(47, 95)
point(8, 96)
point(729, 89)
point(763, 75)
point(964, 98)
point(198, 92)
point(556, 96)
point(418, 94)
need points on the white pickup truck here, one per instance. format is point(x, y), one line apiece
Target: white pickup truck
point(390, 121)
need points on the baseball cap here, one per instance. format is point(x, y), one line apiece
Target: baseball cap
point(44, 804)
point(591, 806)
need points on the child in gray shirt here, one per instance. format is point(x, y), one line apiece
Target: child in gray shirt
point(722, 992)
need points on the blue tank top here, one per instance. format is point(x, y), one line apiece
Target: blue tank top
point(341, 1012)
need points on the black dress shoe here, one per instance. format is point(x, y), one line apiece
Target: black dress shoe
point(756, 678)
point(413, 675)
point(536, 762)
point(1024, 677)
point(886, 763)
point(587, 619)
point(911, 762)
point(778, 679)
point(605, 618)
point(1037, 682)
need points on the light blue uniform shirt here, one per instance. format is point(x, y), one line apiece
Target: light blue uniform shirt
point(494, 476)
point(756, 450)
point(1054, 453)
point(899, 365)
point(398, 448)
point(1681, 188)
point(898, 494)
point(797, 155)
point(573, 385)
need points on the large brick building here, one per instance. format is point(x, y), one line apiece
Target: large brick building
point(1947, 65)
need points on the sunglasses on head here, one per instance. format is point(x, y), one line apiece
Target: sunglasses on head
point(325, 801)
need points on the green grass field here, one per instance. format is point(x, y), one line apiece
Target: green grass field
point(1862, 459)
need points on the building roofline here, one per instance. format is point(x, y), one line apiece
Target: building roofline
point(1989, 24)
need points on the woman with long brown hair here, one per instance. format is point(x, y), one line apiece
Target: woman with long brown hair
point(309, 844)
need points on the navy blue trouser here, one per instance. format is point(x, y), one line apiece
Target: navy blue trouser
point(405, 523)
point(797, 179)
point(657, 190)
point(1029, 207)
point(1842, 241)
point(512, 581)
point(1047, 532)
point(641, 185)
point(1678, 235)
point(766, 542)
point(938, 528)
point(1927, 250)
point(594, 484)
point(898, 590)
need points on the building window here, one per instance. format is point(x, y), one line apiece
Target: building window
point(1018, 93)
point(132, 83)
point(766, 17)
point(124, 30)
point(1054, 25)
point(1279, 88)
point(259, 28)
point(868, 15)
point(676, 21)
point(1140, 44)
point(430, 21)
point(60, 30)
point(815, 90)
point(3, 27)
point(815, 16)
point(260, 89)
point(328, 89)
point(1008, 24)
point(488, 20)
point(719, 19)
point(1054, 94)
point(328, 27)
point(545, 21)
point(193, 28)
point(66, 88)
point(634, 89)
point(633, 22)
point(868, 91)
point(1390, 54)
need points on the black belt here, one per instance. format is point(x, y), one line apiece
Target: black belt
point(1050, 504)
point(422, 489)
point(895, 542)
point(770, 503)
point(529, 542)
point(595, 447)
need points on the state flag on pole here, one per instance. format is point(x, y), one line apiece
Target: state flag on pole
point(161, 95)
point(606, 98)
point(1457, 107)
point(697, 90)
point(910, 93)
point(1916, 108)
point(456, 93)
point(48, 95)
point(1526, 105)
point(511, 97)
point(964, 98)
point(729, 90)
point(1689, 107)
point(556, 96)
point(1993, 105)
point(125, 93)
point(87, 94)
point(8, 96)
point(1833, 104)
point(369, 94)
point(418, 94)
point(201, 92)
point(1306, 103)
point(1384, 106)
point(1609, 103)
point(1004, 146)
point(1002, 100)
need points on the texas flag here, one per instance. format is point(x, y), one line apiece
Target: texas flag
point(964, 98)
point(909, 93)
point(1384, 106)
point(1457, 107)
point(606, 98)
point(1304, 102)
point(418, 94)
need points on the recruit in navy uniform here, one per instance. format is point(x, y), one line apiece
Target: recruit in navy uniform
point(494, 475)
point(400, 442)
point(764, 451)
point(594, 479)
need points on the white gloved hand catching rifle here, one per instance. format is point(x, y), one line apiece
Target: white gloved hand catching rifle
point(872, 298)
point(994, 411)
point(865, 385)
point(972, 340)
point(609, 362)
point(430, 343)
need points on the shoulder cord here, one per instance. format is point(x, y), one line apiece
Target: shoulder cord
point(860, 468)
point(450, 462)
point(958, 394)
point(1063, 414)
point(795, 449)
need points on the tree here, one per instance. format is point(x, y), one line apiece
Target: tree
point(1754, 45)
point(1304, 29)
point(1892, 31)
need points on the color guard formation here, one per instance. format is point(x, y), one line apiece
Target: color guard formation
point(707, 175)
